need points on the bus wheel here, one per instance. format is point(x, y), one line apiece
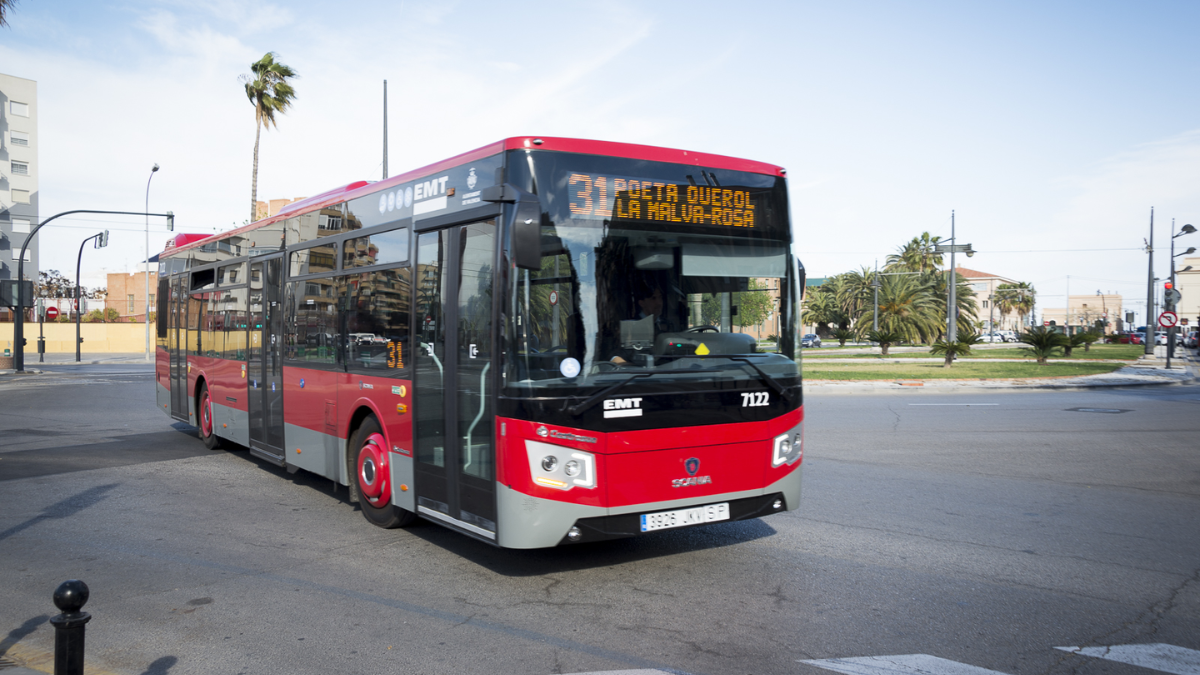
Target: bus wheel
point(372, 475)
point(204, 409)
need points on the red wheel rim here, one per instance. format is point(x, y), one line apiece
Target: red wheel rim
point(373, 471)
point(206, 423)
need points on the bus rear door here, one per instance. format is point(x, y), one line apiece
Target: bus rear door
point(455, 450)
point(177, 346)
point(265, 362)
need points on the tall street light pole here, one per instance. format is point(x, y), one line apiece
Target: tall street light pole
point(1151, 324)
point(19, 325)
point(101, 241)
point(952, 281)
point(146, 270)
point(1169, 302)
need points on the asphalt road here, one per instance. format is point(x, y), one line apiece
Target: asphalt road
point(982, 528)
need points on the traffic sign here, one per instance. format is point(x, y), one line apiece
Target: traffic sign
point(1168, 319)
point(51, 313)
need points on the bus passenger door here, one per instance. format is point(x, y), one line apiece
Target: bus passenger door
point(455, 448)
point(265, 360)
point(177, 346)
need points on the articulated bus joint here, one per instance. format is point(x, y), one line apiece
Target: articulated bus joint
point(602, 528)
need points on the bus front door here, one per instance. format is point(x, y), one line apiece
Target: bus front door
point(265, 360)
point(177, 347)
point(455, 449)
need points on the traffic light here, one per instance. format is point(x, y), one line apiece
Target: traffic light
point(1168, 285)
point(101, 240)
point(170, 221)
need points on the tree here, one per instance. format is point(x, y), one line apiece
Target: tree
point(917, 255)
point(1042, 342)
point(960, 347)
point(841, 335)
point(52, 284)
point(5, 7)
point(885, 338)
point(1018, 297)
point(821, 308)
point(268, 89)
point(1085, 338)
point(753, 304)
point(905, 307)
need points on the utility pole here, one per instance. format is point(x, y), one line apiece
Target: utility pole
point(1150, 323)
point(875, 283)
point(951, 315)
point(385, 170)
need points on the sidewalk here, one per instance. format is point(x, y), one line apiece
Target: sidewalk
point(32, 365)
point(1185, 369)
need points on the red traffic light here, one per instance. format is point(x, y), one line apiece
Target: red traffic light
point(1168, 285)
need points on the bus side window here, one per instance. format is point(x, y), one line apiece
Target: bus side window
point(377, 322)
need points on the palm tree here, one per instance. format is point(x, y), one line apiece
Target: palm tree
point(5, 7)
point(960, 347)
point(917, 255)
point(905, 307)
point(821, 308)
point(271, 93)
point(1043, 342)
point(885, 338)
point(1018, 297)
point(856, 290)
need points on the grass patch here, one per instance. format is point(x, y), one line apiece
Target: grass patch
point(1098, 352)
point(979, 370)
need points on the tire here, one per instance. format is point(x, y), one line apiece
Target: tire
point(207, 431)
point(370, 477)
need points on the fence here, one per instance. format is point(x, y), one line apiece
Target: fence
point(97, 338)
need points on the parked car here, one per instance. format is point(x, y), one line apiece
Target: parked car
point(1160, 337)
point(810, 340)
point(1192, 340)
point(992, 337)
point(1008, 335)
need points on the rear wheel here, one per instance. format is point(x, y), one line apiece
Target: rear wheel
point(371, 475)
point(204, 410)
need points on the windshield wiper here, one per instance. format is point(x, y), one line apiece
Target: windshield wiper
point(767, 379)
point(595, 398)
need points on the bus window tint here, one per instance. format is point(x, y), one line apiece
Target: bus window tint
point(195, 307)
point(315, 260)
point(213, 336)
point(311, 321)
point(234, 303)
point(378, 249)
point(377, 320)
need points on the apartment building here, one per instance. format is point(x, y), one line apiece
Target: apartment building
point(18, 178)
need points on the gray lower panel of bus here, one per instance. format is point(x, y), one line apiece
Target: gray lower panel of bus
point(530, 522)
point(231, 423)
point(325, 455)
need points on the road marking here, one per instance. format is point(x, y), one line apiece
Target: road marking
point(1113, 411)
point(904, 664)
point(966, 404)
point(625, 672)
point(1159, 656)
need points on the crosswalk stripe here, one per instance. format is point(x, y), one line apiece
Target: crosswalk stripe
point(1159, 656)
point(904, 664)
point(652, 671)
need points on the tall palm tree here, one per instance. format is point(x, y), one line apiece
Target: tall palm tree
point(917, 255)
point(856, 290)
point(5, 7)
point(905, 307)
point(268, 89)
point(1018, 297)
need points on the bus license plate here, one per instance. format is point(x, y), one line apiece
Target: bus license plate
point(684, 517)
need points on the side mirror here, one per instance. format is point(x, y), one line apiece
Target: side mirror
point(525, 223)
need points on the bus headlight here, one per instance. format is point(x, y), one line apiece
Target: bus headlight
point(561, 468)
point(788, 447)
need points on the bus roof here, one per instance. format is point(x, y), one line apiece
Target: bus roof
point(541, 143)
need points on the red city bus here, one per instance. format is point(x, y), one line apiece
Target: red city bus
point(539, 342)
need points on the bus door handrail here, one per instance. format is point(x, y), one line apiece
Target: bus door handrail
point(471, 429)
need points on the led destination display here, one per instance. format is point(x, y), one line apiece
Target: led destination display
point(625, 198)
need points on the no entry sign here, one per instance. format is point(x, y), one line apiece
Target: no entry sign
point(1168, 319)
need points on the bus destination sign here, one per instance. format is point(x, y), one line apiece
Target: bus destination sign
point(625, 198)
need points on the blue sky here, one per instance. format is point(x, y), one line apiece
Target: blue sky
point(1050, 128)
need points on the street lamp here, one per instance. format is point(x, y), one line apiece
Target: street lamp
point(153, 170)
point(1168, 301)
point(951, 308)
point(101, 241)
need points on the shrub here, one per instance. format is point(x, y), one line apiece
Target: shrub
point(1042, 342)
point(885, 338)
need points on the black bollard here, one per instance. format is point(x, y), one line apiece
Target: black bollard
point(70, 597)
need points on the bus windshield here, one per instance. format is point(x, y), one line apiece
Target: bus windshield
point(654, 277)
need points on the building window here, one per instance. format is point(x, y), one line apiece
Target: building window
point(20, 168)
point(19, 109)
point(20, 196)
point(129, 304)
point(18, 138)
point(16, 255)
point(151, 299)
point(20, 225)
point(985, 302)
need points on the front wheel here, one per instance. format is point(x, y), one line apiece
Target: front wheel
point(204, 409)
point(372, 477)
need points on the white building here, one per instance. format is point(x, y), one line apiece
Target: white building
point(18, 177)
point(1188, 284)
